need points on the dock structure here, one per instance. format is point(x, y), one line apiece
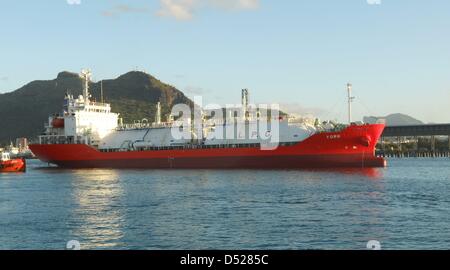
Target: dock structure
point(415, 141)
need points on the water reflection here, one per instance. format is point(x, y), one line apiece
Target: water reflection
point(405, 208)
point(198, 209)
point(371, 173)
point(97, 215)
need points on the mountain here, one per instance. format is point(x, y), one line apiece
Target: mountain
point(134, 95)
point(396, 119)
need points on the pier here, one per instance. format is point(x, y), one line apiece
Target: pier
point(432, 141)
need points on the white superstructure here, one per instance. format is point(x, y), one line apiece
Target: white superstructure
point(82, 119)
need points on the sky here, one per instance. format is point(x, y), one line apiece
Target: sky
point(298, 53)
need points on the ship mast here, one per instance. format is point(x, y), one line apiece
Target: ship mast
point(245, 102)
point(350, 100)
point(101, 92)
point(158, 114)
point(86, 76)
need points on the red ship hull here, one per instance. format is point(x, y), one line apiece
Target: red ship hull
point(351, 147)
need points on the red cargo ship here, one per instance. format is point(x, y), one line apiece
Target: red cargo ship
point(88, 135)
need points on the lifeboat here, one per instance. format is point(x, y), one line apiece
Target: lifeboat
point(12, 165)
point(58, 122)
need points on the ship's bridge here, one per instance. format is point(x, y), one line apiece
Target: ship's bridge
point(82, 118)
point(72, 105)
point(89, 119)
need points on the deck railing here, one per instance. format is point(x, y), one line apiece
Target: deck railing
point(62, 139)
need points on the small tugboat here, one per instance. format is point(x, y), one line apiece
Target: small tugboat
point(11, 165)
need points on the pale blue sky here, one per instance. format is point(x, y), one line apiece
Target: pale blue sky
point(396, 54)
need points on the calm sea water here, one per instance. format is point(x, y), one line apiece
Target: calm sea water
point(405, 206)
